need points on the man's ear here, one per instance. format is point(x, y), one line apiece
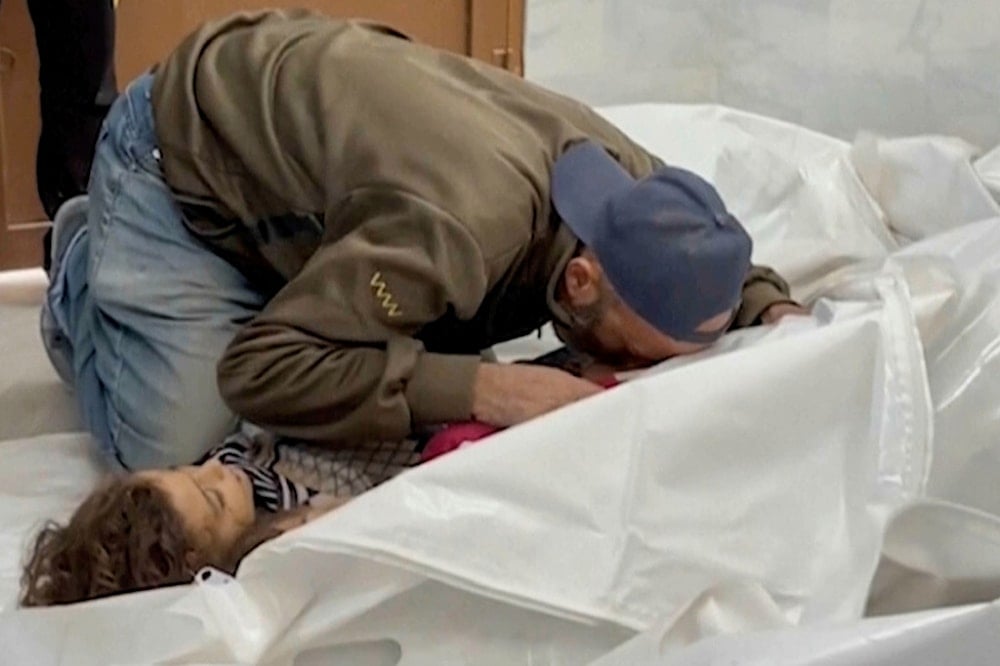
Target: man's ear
point(582, 281)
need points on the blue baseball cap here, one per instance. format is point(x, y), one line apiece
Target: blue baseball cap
point(667, 244)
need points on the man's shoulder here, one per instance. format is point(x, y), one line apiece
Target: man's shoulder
point(497, 234)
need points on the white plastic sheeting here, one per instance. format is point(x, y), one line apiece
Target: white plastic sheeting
point(965, 635)
point(746, 505)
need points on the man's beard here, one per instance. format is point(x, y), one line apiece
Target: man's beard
point(579, 333)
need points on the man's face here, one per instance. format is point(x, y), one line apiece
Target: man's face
point(606, 329)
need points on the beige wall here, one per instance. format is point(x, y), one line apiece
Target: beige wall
point(838, 66)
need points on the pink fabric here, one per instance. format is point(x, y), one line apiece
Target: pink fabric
point(455, 436)
point(607, 382)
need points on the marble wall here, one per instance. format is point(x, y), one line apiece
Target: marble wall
point(896, 67)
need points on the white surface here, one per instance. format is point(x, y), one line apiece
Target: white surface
point(965, 636)
point(783, 482)
point(32, 401)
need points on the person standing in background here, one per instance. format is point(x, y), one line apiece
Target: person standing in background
point(75, 41)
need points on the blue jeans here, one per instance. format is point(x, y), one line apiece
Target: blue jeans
point(143, 308)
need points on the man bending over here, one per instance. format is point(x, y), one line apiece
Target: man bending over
point(318, 225)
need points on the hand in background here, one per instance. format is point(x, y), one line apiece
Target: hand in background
point(779, 311)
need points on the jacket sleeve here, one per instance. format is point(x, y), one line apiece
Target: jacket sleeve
point(332, 357)
point(762, 288)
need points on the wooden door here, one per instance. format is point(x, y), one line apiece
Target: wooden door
point(22, 220)
point(491, 30)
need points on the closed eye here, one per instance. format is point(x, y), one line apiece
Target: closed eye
point(217, 503)
point(217, 496)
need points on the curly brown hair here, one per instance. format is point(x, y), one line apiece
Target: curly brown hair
point(126, 536)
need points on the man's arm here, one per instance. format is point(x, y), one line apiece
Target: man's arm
point(332, 356)
point(763, 289)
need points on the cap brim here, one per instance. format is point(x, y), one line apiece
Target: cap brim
point(584, 179)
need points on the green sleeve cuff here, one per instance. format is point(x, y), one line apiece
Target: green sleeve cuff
point(440, 388)
point(758, 297)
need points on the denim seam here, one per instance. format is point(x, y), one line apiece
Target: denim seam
point(96, 257)
point(114, 418)
point(116, 186)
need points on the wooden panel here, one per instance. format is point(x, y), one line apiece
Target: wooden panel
point(441, 23)
point(21, 215)
point(496, 33)
point(516, 18)
point(488, 31)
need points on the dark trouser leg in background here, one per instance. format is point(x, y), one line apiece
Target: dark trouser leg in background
point(75, 41)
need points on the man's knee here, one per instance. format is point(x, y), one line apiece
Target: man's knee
point(177, 441)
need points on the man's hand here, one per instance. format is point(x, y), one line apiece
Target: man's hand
point(778, 311)
point(505, 395)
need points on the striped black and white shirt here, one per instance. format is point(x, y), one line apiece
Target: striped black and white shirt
point(272, 491)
